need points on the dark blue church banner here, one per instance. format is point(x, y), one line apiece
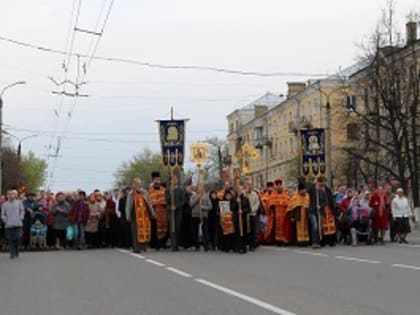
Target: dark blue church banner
point(172, 139)
point(313, 151)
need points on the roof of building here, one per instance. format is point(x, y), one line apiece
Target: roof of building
point(268, 99)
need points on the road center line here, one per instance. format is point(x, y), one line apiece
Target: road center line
point(358, 259)
point(406, 266)
point(246, 298)
point(154, 262)
point(310, 253)
point(179, 272)
point(137, 255)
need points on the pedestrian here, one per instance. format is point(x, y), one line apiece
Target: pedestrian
point(30, 205)
point(92, 225)
point(12, 215)
point(175, 201)
point(112, 219)
point(160, 224)
point(401, 213)
point(378, 202)
point(60, 211)
point(240, 210)
point(101, 204)
point(79, 215)
point(296, 229)
point(322, 214)
point(227, 242)
point(187, 221)
point(278, 204)
point(125, 226)
point(254, 201)
point(214, 221)
point(139, 211)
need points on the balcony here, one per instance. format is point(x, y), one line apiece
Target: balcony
point(260, 142)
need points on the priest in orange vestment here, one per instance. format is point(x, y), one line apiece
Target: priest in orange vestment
point(160, 224)
point(296, 224)
point(139, 212)
point(267, 235)
point(279, 203)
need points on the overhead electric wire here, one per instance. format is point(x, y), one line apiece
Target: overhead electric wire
point(165, 66)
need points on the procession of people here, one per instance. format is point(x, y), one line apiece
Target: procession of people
point(234, 218)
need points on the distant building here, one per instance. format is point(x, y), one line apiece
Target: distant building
point(271, 124)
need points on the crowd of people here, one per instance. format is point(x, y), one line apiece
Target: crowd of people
point(235, 218)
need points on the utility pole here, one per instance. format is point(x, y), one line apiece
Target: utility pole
point(329, 143)
point(1, 128)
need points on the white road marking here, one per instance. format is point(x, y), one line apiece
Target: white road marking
point(280, 249)
point(246, 298)
point(358, 259)
point(179, 272)
point(305, 252)
point(154, 262)
point(124, 251)
point(137, 255)
point(407, 245)
point(406, 266)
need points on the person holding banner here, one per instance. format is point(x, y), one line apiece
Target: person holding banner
point(139, 211)
point(160, 224)
point(179, 200)
point(227, 243)
point(240, 210)
point(321, 214)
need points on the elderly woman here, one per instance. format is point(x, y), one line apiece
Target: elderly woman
point(92, 225)
point(60, 211)
point(379, 202)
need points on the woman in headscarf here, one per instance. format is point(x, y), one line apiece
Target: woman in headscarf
point(378, 202)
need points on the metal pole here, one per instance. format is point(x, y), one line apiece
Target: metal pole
point(1, 145)
point(329, 144)
point(173, 232)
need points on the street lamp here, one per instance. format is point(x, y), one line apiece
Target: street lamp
point(1, 127)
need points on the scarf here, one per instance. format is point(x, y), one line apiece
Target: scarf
point(117, 206)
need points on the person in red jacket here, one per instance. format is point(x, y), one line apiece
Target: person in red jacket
point(78, 216)
point(378, 203)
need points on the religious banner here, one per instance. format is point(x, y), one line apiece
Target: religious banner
point(172, 139)
point(313, 152)
point(226, 218)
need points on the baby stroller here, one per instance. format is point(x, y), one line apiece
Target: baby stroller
point(361, 230)
point(38, 231)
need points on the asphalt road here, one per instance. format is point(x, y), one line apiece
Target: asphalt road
point(342, 280)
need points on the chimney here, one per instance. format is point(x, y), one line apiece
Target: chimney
point(411, 32)
point(295, 88)
point(259, 110)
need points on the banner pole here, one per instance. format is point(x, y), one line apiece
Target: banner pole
point(174, 241)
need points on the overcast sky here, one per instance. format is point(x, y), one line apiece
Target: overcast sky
point(117, 120)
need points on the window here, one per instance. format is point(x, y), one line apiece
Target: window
point(231, 127)
point(352, 131)
point(351, 102)
point(237, 125)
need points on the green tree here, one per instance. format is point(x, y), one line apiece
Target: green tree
point(32, 172)
point(215, 164)
point(141, 165)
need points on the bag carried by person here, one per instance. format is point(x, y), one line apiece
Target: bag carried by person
point(70, 233)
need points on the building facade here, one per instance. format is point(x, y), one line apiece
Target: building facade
point(273, 128)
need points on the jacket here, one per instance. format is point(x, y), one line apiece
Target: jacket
point(60, 221)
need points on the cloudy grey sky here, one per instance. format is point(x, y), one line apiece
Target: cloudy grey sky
point(117, 119)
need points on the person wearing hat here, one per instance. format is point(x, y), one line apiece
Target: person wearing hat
point(278, 205)
point(160, 224)
point(12, 214)
point(268, 236)
point(401, 213)
point(295, 226)
point(30, 205)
